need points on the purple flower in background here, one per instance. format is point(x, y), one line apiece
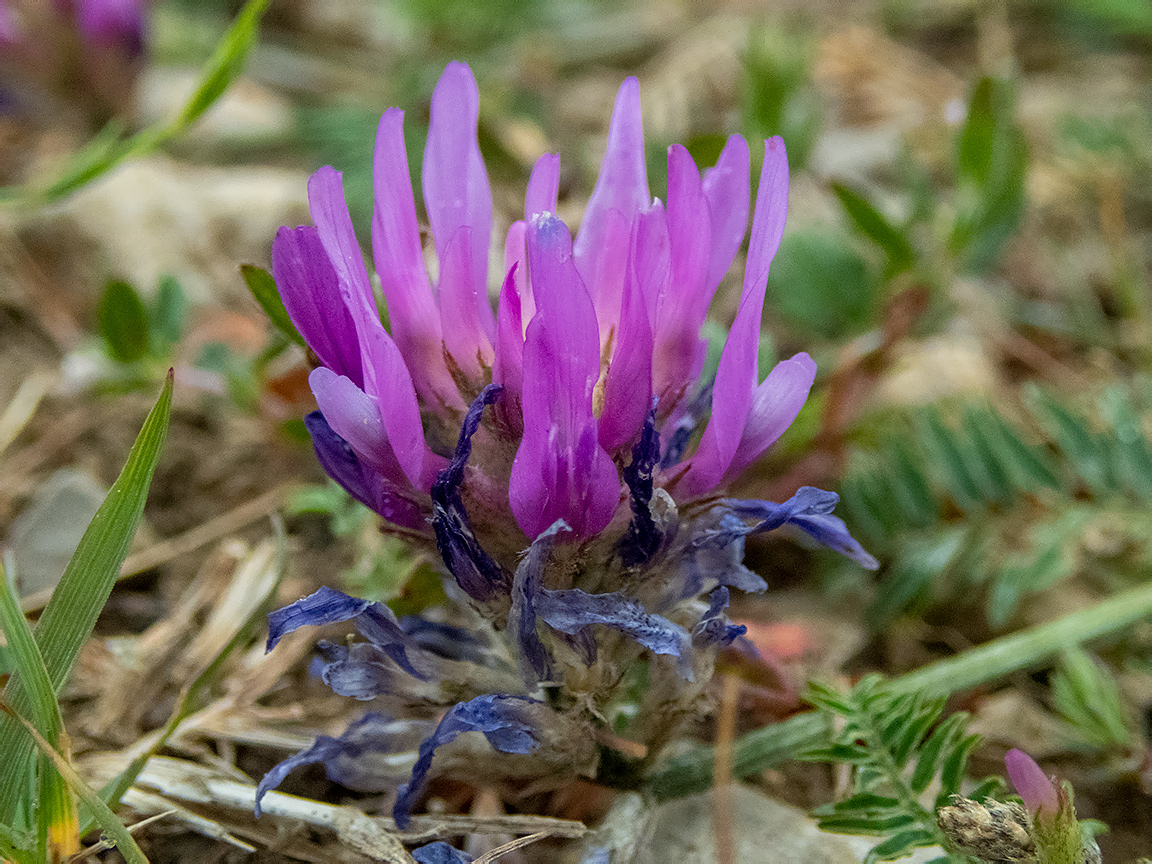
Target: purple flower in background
point(561, 452)
point(111, 22)
point(1032, 784)
point(80, 55)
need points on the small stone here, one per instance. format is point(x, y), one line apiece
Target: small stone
point(46, 534)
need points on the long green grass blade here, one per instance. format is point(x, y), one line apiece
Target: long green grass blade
point(56, 818)
point(110, 825)
point(71, 614)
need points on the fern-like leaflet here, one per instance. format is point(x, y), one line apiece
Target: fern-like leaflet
point(900, 751)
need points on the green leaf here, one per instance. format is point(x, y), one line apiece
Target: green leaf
point(821, 283)
point(899, 845)
point(111, 826)
point(857, 825)
point(952, 771)
point(68, 620)
point(1030, 467)
point(167, 318)
point(56, 814)
point(948, 459)
point(991, 163)
point(263, 288)
point(123, 322)
point(877, 228)
point(977, 139)
point(935, 749)
point(12, 843)
point(226, 62)
point(1087, 696)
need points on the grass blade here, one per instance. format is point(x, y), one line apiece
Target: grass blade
point(57, 822)
point(111, 826)
point(71, 614)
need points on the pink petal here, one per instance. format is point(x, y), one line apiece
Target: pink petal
point(628, 384)
point(560, 470)
point(355, 417)
point(412, 312)
point(736, 376)
point(399, 411)
point(726, 186)
point(610, 270)
point(516, 253)
point(621, 186)
point(1033, 785)
point(771, 213)
point(652, 258)
point(456, 191)
point(775, 405)
point(508, 367)
point(385, 374)
point(681, 309)
point(334, 228)
point(311, 294)
point(543, 186)
point(460, 311)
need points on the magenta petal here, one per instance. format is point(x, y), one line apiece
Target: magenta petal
point(354, 416)
point(621, 186)
point(736, 375)
point(775, 405)
point(456, 191)
point(628, 385)
point(560, 470)
point(681, 310)
point(771, 213)
point(311, 295)
point(726, 186)
point(610, 270)
point(690, 233)
point(543, 186)
point(508, 366)
point(334, 227)
point(516, 254)
point(460, 312)
point(651, 256)
point(400, 412)
point(412, 312)
point(1033, 785)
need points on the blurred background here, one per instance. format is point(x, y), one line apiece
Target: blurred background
point(966, 258)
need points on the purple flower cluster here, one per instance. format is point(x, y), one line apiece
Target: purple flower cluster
point(558, 451)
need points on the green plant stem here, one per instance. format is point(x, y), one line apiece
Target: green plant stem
point(756, 751)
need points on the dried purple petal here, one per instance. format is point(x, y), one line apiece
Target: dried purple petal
point(508, 722)
point(714, 628)
point(375, 622)
point(372, 733)
point(474, 569)
point(643, 537)
point(572, 610)
point(440, 853)
point(809, 510)
point(526, 587)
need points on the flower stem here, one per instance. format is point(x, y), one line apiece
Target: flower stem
point(692, 772)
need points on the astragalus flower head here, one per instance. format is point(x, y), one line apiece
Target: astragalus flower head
point(563, 453)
